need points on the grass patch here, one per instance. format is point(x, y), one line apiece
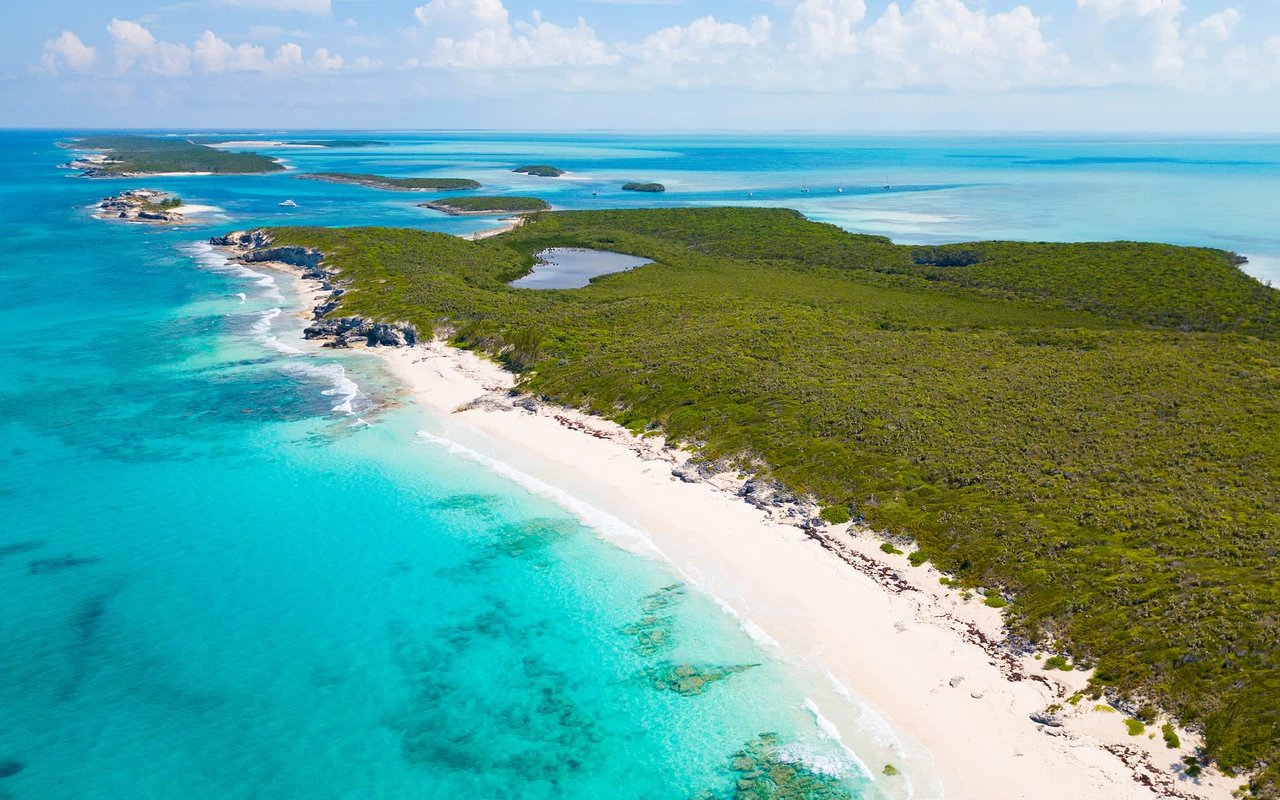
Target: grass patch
point(1135, 727)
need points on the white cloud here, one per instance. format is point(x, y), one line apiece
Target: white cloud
point(1147, 42)
point(323, 61)
point(318, 7)
point(289, 55)
point(67, 52)
point(479, 34)
point(136, 48)
point(947, 43)
point(826, 27)
point(1220, 26)
point(704, 38)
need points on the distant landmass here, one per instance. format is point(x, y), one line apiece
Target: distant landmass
point(395, 184)
point(643, 187)
point(128, 156)
point(463, 206)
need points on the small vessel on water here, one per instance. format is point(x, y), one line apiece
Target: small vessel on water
point(289, 203)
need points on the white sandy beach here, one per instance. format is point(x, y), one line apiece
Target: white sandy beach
point(906, 653)
point(846, 614)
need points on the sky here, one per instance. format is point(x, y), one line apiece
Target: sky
point(983, 65)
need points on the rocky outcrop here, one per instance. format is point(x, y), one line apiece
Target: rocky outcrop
point(142, 205)
point(346, 331)
point(258, 247)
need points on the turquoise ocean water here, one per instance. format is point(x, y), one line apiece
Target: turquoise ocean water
point(232, 569)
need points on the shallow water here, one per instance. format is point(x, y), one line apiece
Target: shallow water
point(574, 267)
point(233, 569)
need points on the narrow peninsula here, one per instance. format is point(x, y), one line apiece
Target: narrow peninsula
point(485, 206)
point(128, 156)
point(1074, 434)
point(394, 184)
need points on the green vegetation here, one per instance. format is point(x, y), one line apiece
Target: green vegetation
point(488, 205)
point(917, 557)
point(887, 547)
point(1135, 727)
point(395, 184)
point(836, 515)
point(540, 170)
point(1170, 735)
point(890, 770)
point(994, 599)
point(643, 187)
point(167, 204)
point(1092, 428)
point(1058, 663)
point(150, 155)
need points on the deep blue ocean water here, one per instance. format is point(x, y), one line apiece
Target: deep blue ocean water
point(232, 569)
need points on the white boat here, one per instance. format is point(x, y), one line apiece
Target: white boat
point(289, 204)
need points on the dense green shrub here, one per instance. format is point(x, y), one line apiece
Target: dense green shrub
point(1093, 428)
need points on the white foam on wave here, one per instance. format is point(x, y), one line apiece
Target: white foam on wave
point(751, 629)
point(211, 259)
point(830, 731)
point(262, 330)
point(340, 384)
point(869, 719)
point(590, 515)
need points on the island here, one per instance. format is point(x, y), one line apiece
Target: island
point(540, 170)
point(128, 156)
point(1080, 436)
point(142, 205)
point(394, 184)
point(643, 187)
point(483, 206)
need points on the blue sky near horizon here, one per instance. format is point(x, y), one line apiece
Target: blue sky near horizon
point(1096, 65)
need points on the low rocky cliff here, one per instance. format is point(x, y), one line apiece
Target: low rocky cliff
point(258, 247)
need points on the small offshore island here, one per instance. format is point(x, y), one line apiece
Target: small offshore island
point(1031, 419)
point(394, 184)
point(129, 156)
point(142, 205)
point(486, 206)
point(643, 187)
point(540, 170)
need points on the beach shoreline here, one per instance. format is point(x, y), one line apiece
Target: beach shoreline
point(825, 598)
